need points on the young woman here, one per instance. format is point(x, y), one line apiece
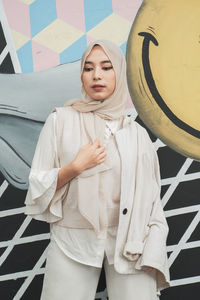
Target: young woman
point(95, 179)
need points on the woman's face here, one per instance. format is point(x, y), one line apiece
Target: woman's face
point(98, 76)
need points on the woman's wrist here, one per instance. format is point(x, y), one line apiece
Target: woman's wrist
point(77, 167)
point(67, 173)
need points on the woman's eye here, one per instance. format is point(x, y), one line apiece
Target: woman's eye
point(87, 69)
point(107, 68)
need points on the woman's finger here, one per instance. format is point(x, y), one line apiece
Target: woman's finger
point(101, 160)
point(102, 155)
point(100, 150)
point(96, 143)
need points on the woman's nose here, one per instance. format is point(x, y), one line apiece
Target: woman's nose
point(97, 73)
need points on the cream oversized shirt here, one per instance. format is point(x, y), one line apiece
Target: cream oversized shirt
point(81, 244)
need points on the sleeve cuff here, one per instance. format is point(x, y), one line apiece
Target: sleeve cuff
point(133, 250)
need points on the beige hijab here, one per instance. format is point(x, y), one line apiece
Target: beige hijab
point(114, 106)
point(93, 116)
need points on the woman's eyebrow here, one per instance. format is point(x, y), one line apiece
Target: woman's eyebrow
point(106, 61)
point(102, 62)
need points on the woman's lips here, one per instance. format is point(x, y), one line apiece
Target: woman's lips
point(98, 87)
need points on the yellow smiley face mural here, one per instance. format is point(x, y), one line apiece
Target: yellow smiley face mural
point(163, 70)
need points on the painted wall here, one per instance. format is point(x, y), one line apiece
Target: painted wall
point(36, 36)
point(51, 32)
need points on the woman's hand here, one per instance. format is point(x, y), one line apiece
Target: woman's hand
point(89, 156)
point(149, 269)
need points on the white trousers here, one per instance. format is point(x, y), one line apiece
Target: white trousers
point(66, 279)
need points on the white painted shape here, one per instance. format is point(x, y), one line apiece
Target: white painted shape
point(9, 39)
point(24, 240)
point(184, 239)
point(189, 245)
point(187, 280)
point(3, 187)
point(3, 54)
point(182, 210)
point(16, 237)
point(31, 276)
point(176, 181)
point(186, 177)
point(11, 212)
point(14, 276)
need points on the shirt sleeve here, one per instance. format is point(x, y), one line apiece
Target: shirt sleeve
point(148, 212)
point(43, 202)
point(155, 252)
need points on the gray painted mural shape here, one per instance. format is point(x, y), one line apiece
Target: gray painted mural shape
point(25, 102)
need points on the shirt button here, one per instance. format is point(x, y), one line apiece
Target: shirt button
point(125, 211)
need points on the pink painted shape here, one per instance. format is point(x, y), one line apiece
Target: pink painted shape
point(18, 16)
point(43, 57)
point(126, 8)
point(72, 12)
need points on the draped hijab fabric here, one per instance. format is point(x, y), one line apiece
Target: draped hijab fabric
point(93, 116)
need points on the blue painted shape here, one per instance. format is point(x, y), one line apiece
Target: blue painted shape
point(74, 52)
point(42, 13)
point(123, 48)
point(26, 58)
point(96, 11)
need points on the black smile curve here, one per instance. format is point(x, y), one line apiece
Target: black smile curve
point(148, 37)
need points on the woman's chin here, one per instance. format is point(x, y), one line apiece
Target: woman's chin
point(98, 97)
